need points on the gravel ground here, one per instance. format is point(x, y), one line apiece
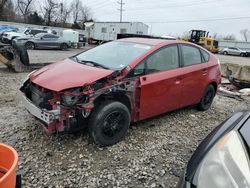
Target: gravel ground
point(153, 153)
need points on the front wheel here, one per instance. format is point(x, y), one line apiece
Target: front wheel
point(225, 53)
point(109, 123)
point(64, 46)
point(207, 98)
point(242, 55)
point(30, 46)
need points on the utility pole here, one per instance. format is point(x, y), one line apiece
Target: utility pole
point(121, 9)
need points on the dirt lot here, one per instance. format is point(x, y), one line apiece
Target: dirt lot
point(153, 153)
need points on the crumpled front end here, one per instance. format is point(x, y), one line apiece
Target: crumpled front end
point(69, 109)
point(47, 106)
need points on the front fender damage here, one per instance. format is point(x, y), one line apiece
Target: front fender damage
point(75, 117)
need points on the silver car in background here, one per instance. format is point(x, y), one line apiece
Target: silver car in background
point(234, 51)
point(43, 41)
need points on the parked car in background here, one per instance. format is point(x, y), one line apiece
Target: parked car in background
point(128, 80)
point(6, 28)
point(222, 159)
point(9, 36)
point(43, 41)
point(234, 51)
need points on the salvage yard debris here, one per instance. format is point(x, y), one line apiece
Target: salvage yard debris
point(239, 75)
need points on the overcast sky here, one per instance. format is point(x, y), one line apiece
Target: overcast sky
point(172, 16)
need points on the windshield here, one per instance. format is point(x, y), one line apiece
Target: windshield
point(114, 55)
point(21, 30)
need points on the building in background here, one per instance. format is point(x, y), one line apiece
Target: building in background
point(108, 31)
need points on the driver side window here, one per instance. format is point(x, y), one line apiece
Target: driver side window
point(164, 59)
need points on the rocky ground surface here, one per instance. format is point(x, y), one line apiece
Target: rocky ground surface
point(153, 154)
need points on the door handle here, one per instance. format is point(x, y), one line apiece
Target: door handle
point(144, 78)
point(204, 71)
point(179, 79)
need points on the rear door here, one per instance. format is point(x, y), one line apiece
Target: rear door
point(47, 41)
point(195, 73)
point(160, 86)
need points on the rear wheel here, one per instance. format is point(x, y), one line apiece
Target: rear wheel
point(207, 98)
point(109, 123)
point(30, 46)
point(242, 55)
point(64, 46)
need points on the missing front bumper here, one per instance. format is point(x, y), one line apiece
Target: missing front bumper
point(47, 116)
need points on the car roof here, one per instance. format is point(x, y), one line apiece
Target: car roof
point(152, 42)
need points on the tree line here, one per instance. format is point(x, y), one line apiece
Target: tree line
point(48, 12)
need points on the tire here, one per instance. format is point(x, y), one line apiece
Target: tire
point(30, 46)
point(207, 98)
point(109, 123)
point(63, 46)
point(225, 53)
point(22, 52)
point(242, 55)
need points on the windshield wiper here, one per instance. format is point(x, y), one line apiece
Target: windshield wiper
point(91, 62)
point(76, 58)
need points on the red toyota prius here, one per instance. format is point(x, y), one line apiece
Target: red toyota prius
point(128, 80)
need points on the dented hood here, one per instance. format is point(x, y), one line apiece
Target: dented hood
point(67, 74)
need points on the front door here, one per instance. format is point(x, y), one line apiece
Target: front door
point(161, 84)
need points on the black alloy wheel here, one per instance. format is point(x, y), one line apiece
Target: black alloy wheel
point(109, 123)
point(207, 98)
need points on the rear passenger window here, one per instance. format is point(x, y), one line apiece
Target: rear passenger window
point(205, 55)
point(164, 59)
point(191, 55)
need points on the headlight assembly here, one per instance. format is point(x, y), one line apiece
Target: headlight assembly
point(225, 165)
point(71, 97)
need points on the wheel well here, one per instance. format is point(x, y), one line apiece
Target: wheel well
point(120, 97)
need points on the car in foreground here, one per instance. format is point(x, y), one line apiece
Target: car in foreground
point(222, 158)
point(43, 41)
point(24, 32)
point(106, 88)
point(234, 51)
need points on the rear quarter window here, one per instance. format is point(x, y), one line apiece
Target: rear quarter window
point(191, 55)
point(205, 55)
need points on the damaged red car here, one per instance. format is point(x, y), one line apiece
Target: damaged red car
point(107, 87)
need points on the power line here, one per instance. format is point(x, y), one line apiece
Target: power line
point(121, 9)
point(201, 20)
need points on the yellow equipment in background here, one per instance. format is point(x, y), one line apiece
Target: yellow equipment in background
point(201, 38)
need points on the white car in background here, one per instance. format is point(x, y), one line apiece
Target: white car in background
point(9, 36)
point(234, 51)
